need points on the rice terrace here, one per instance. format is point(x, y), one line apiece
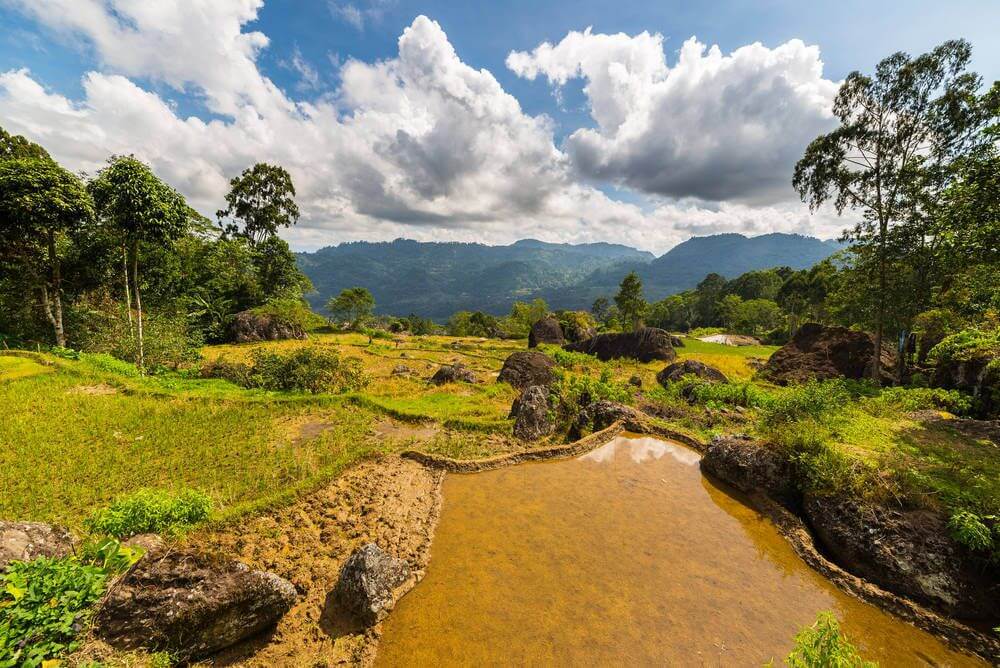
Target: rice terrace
point(329, 337)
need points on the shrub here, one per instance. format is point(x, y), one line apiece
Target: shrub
point(150, 511)
point(823, 645)
point(65, 353)
point(966, 345)
point(237, 373)
point(733, 394)
point(291, 311)
point(46, 603)
point(906, 399)
point(308, 369)
point(815, 400)
point(974, 531)
point(571, 360)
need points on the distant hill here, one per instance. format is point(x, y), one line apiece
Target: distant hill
point(436, 279)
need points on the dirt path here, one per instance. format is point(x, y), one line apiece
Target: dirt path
point(389, 501)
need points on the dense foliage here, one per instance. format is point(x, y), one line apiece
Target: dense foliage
point(150, 511)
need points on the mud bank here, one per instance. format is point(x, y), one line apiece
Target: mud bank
point(389, 501)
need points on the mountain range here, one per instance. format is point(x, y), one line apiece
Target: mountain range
point(435, 279)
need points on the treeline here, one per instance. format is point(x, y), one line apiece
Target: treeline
point(118, 262)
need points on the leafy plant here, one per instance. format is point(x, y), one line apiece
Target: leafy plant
point(150, 511)
point(973, 531)
point(309, 369)
point(823, 645)
point(65, 353)
point(44, 605)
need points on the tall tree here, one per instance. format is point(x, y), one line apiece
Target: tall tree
point(140, 208)
point(352, 304)
point(630, 301)
point(899, 131)
point(40, 203)
point(261, 199)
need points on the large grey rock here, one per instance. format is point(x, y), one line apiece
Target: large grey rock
point(526, 368)
point(453, 373)
point(190, 605)
point(676, 371)
point(821, 352)
point(248, 327)
point(546, 330)
point(23, 541)
point(600, 414)
point(532, 418)
point(646, 344)
point(909, 552)
point(371, 581)
point(749, 466)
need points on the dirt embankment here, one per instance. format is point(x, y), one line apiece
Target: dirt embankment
point(389, 501)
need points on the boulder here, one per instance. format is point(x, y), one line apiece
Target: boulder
point(401, 370)
point(370, 583)
point(635, 381)
point(909, 552)
point(532, 418)
point(248, 327)
point(645, 345)
point(676, 371)
point(600, 414)
point(524, 369)
point(546, 330)
point(749, 466)
point(676, 341)
point(24, 541)
point(821, 352)
point(190, 605)
point(453, 373)
point(974, 376)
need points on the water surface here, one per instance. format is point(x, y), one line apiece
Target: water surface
point(624, 556)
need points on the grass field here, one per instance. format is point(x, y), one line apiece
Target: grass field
point(79, 433)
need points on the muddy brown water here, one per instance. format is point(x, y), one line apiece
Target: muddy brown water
point(624, 556)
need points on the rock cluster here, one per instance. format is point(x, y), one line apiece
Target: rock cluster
point(248, 327)
point(453, 373)
point(524, 369)
point(645, 345)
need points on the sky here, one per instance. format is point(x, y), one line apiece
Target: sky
point(643, 123)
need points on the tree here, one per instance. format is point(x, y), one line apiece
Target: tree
point(899, 131)
point(16, 146)
point(355, 305)
point(630, 301)
point(758, 316)
point(706, 307)
point(730, 310)
point(523, 315)
point(262, 200)
point(601, 309)
point(139, 208)
point(40, 202)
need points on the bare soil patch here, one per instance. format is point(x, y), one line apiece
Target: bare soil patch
point(390, 501)
point(400, 431)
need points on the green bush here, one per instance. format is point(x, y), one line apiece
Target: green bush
point(65, 353)
point(974, 531)
point(822, 645)
point(966, 345)
point(571, 360)
point(150, 511)
point(46, 603)
point(731, 394)
point(293, 312)
point(237, 373)
point(819, 401)
point(906, 399)
point(307, 369)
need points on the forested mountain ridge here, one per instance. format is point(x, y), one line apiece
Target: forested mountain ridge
point(434, 279)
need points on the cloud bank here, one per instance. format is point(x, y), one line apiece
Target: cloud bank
point(424, 146)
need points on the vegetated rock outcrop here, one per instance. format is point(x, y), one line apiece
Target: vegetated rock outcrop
point(645, 345)
point(532, 418)
point(821, 352)
point(676, 371)
point(749, 466)
point(23, 541)
point(401, 370)
point(190, 605)
point(371, 582)
point(909, 552)
point(453, 373)
point(979, 376)
point(248, 327)
point(676, 341)
point(603, 413)
point(526, 368)
point(546, 330)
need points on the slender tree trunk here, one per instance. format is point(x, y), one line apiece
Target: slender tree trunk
point(128, 293)
point(880, 312)
point(140, 358)
point(56, 316)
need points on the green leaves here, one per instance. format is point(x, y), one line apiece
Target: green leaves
point(149, 511)
point(823, 644)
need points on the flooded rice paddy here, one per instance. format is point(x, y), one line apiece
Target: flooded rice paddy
point(624, 556)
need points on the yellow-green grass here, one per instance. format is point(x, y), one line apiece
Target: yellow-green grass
point(733, 361)
point(12, 368)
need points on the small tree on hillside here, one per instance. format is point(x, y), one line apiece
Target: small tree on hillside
point(601, 310)
point(630, 301)
point(355, 305)
point(40, 202)
point(140, 208)
point(262, 200)
point(899, 132)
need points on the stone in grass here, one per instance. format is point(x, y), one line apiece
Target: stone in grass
point(453, 373)
point(370, 583)
point(23, 541)
point(532, 418)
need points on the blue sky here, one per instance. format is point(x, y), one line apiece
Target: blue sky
point(437, 167)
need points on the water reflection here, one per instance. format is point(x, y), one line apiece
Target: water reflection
point(621, 557)
point(640, 449)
